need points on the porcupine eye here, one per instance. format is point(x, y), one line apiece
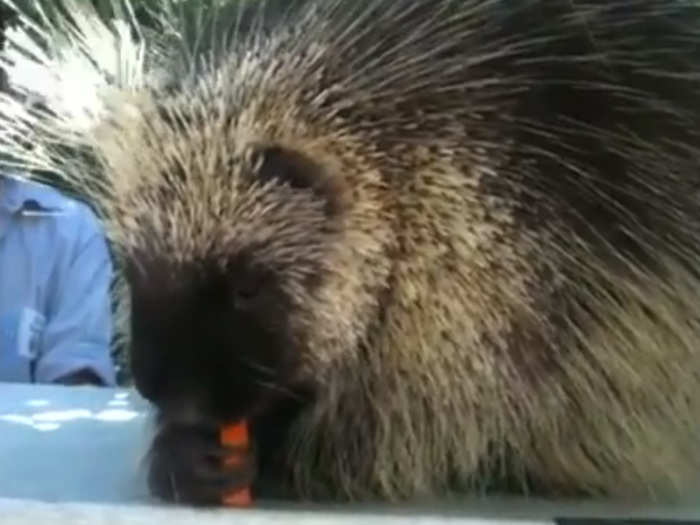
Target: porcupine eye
point(247, 289)
point(239, 286)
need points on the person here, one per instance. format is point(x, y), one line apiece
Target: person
point(55, 276)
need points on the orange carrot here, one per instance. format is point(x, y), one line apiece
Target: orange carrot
point(236, 435)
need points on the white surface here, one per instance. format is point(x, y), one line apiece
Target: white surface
point(71, 444)
point(74, 455)
point(27, 513)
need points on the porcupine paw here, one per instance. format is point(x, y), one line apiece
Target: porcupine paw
point(189, 465)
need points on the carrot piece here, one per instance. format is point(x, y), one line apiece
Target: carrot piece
point(236, 435)
point(242, 498)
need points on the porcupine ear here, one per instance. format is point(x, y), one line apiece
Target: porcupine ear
point(300, 172)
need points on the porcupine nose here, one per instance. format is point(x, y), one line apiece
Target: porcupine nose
point(163, 354)
point(170, 385)
point(166, 328)
point(150, 376)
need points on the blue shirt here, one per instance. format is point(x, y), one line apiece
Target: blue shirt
point(55, 276)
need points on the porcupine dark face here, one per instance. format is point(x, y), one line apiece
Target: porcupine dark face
point(217, 331)
point(221, 287)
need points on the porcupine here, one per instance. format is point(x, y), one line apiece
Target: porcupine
point(422, 246)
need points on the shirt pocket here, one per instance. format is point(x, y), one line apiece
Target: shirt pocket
point(21, 330)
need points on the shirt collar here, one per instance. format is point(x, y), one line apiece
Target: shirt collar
point(17, 193)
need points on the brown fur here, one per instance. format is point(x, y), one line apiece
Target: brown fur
point(472, 315)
